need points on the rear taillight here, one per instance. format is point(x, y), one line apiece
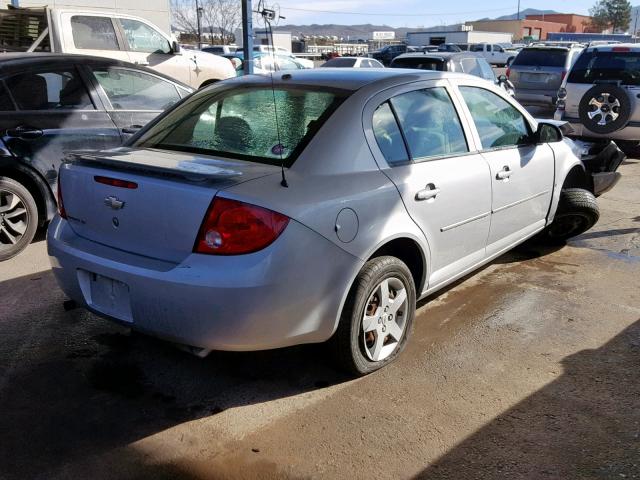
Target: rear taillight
point(508, 72)
point(61, 211)
point(115, 182)
point(562, 93)
point(620, 49)
point(231, 227)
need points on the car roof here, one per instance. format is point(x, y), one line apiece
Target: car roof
point(443, 55)
point(634, 47)
point(341, 78)
point(19, 60)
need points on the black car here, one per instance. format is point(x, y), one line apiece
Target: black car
point(51, 104)
point(386, 54)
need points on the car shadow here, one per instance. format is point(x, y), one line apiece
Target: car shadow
point(582, 425)
point(73, 385)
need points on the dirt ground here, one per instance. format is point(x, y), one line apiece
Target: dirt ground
point(528, 369)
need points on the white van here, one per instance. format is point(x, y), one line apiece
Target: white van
point(111, 35)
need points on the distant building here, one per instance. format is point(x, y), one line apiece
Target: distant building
point(263, 37)
point(572, 23)
point(456, 34)
point(525, 29)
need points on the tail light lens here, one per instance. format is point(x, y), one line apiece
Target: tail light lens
point(61, 211)
point(508, 72)
point(231, 227)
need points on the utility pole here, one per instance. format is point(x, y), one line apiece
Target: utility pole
point(518, 9)
point(247, 36)
point(198, 15)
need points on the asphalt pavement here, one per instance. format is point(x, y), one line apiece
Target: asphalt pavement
point(526, 369)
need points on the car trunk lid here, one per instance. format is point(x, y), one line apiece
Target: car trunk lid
point(147, 202)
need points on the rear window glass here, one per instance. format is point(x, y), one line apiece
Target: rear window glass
point(541, 58)
point(241, 123)
point(340, 62)
point(597, 66)
point(421, 63)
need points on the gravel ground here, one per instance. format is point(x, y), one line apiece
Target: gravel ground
point(526, 369)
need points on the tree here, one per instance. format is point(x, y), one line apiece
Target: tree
point(222, 15)
point(614, 14)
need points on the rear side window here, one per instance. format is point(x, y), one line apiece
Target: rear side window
point(52, 90)
point(93, 33)
point(133, 90)
point(388, 136)
point(241, 123)
point(594, 66)
point(547, 57)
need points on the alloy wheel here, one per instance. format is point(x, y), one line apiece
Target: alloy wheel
point(604, 109)
point(14, 218)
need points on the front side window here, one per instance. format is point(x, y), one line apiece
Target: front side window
point(93, 33)
point(430, 123)
point(143, 38)
point(52, 90)
point(388, 136)
point(134, 90)
point(241, 123)
point(499, 123)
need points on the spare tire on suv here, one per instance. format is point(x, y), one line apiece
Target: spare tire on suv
point(605, 108)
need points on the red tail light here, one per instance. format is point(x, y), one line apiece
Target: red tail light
point(61, 211)
point(116, 182)
point(620, 49)
point(233, 228)
point(508, 72)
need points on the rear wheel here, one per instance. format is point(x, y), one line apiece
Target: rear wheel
point(377, 318)
point(18, 218)
point(577, 212)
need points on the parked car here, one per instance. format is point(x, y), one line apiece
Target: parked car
point(537, 73)
point(220, 49)
point(352, 62)
point(110, 35)
point(199, 228)
point(493, 53)
point(50, 104)
point(463, 62)
point(306, 63)
point(386, 54)
point(599, 96)
point(264, 63)
point(449, 47)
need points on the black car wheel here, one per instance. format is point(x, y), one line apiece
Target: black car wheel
point(605, 109)
point(577, 212)
point(18, 218)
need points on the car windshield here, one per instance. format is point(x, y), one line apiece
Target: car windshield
point(606, 66)
point(421, 63)
point(547, 57)
point(241, 123)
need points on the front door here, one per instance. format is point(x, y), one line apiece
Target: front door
point(521, 172)
point(445, 188)
point(54, 114)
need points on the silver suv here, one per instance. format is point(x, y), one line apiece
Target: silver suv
point(538, 71)
point(600, 96)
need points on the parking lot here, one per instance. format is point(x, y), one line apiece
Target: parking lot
point(526, 369)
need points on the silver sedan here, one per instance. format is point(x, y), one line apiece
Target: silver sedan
point(320, 207)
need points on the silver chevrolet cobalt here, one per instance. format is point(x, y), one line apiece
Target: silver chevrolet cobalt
point(316, 206)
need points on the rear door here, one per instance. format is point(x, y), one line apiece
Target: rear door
point(522, 172)
point(445, 186)
point(134, 97)
point(48, 112)
point(90, 34)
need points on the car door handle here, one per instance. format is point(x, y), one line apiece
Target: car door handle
point(131, 129)
point(24, 132)
point(504, 174)
point(430, 192)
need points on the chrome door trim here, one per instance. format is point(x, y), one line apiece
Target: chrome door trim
point(522, 200)
point(464, 222)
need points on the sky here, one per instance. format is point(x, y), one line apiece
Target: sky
point(411, 13)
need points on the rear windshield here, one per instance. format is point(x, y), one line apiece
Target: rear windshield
point(597, 66)
point(421, 63)
point(340, 62)
point(241, 123)
point(543, 58)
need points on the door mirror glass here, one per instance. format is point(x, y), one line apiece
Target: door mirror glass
point(548, 133)
point(502, 79)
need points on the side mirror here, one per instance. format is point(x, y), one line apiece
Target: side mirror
point(175, 48)
point(502, 79)
point(548, 133)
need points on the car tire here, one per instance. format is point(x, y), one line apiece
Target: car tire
point(577, 212)
point(358, 344)
point(18, 218)
point(597, 98)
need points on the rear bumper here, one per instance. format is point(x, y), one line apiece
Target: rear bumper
point(289, 293)
point(540, 98)
point(629, 133)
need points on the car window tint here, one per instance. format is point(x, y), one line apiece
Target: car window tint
point(476, 48)
point(430, 123)
point(539, 57)
point(49, 91)
point(593, 66)
point(241, 123)
point(420, 63)
point(143, 38)
point(93, 33)
point(6, 104)
point(388, 136)
point(134, 90)
point(340, 62)
point(499, 123)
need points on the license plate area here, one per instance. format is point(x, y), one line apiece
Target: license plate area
point(106, 295)
point(534, 77)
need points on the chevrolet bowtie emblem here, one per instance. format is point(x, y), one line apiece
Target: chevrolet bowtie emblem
point(114, 203)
